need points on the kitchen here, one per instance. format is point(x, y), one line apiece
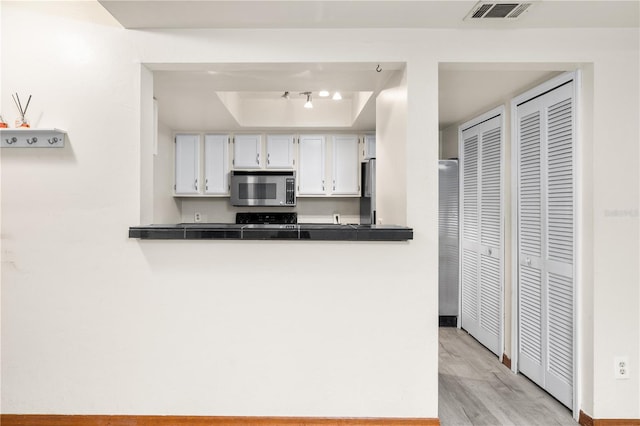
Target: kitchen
point(219, 127)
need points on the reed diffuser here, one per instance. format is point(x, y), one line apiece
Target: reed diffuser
point(22, 120)
point(3, 124)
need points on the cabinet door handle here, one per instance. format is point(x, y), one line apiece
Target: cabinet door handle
point(257, 158)
point(195, 185)
point(323, 184)
point(269, 158)
point(490, 251)
point(334, 184)
point(206, 184)
point(528, 261)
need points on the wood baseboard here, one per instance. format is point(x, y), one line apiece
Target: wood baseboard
point(106, 420)
point(506, 361)
point(586, 420)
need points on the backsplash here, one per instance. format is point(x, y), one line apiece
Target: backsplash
point(310, 210)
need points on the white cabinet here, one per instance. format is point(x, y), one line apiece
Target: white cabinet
point(280, 151)
point(341, 156)
point(247, 150)
point(345, 165)
point(311, 167)
point(325, 165)
point(189, 174)
point(187, 164)
point(216, 164)
point(369, 150)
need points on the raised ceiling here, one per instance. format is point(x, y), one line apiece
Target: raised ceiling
point(363, 14)
point(195, 96)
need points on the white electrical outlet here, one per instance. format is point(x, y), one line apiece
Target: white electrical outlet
point(621, 367)
point(197, 217)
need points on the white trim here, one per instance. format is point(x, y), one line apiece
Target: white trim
point(460, 215)
point(577, 244)
point(515, 288)
point(545, 87)
point(479, 119)
point(503, 163)
point(578, 224)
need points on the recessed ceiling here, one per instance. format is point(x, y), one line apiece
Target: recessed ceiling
point(189, 95)
point(363, 14)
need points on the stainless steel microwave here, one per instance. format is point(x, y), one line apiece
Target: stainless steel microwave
point(263, 188)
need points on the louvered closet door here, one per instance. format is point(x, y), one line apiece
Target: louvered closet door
point(481, 177)
point(546, 240)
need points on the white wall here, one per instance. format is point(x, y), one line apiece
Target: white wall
point(391, 152)
point(309, 209)
point(449, 142)
point(166, 208)
point(96, 323)
point(616, 230)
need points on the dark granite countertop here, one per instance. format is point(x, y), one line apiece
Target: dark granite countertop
point(301, 231)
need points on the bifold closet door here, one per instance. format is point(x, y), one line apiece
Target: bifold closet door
point(545, 138)
point(481, 231)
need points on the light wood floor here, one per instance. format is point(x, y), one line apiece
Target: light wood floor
point(476, 389)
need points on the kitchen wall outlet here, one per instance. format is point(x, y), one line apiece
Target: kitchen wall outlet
point(621, 367)
point(197, 217)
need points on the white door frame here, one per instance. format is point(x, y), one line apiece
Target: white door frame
point(498, 111)
point(578, 226)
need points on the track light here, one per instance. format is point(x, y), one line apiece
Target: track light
point(307, 104)
point(323, 93)
point(337, 96)
point(285, 95)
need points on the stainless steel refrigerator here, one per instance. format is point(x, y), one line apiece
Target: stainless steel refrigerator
point(448, 242)
point(368, 192)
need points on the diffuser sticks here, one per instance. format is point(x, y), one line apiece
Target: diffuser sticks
point(22, 120)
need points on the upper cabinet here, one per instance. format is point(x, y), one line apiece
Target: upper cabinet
point(369, 150)
point(311, 167)
point(325, 165)
point(247, 152)
point(339, 158)
point(216, 164)
point(280, 151)
point(345, 165)
point(188, 174)
point(187, 164)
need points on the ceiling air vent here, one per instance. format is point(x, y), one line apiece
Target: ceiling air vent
point(497, 9)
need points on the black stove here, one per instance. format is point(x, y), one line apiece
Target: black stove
point(261, 218)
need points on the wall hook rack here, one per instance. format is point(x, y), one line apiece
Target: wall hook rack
point(32, 138)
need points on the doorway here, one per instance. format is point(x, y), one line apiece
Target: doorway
point(466, 91)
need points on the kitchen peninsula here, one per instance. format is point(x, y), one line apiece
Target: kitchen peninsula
point(317, 232)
